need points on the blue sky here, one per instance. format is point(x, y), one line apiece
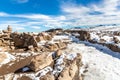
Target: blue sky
point(39, 15)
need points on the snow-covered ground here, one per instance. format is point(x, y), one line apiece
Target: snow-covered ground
point(106, 28)
point(99, 63)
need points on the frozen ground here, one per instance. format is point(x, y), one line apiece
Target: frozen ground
point(99, 63)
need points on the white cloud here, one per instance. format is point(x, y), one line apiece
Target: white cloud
point(81, 10)
point(78, 15)
point(34, 16)
point(35, 27)
point(3, 14)
point(108, 7)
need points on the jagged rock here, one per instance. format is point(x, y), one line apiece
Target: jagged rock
point(41, 61)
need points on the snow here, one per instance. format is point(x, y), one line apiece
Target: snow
point(64, 38)
point(108, 39)
point(71, 56)
point(43, 71)
point(94, 37)
point(41, 43)
point(99, 62)
point(8, 58)
point(58, 65)
point(106, 28)
point(23, 54)
point(60, 37)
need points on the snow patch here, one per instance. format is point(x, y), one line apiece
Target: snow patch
point(7, 59)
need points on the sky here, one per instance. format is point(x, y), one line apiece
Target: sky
point(40, 15)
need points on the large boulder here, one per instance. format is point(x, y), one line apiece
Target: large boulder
point(41, 61)
point(13, 66)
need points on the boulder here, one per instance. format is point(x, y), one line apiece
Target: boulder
point(13, 66)
point(113, 47)
point(52, 47)
point(71, 70)
point(84, 35)
point(41, 61)
point(116, 40)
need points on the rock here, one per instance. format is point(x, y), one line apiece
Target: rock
point(41, 61)
point(9, 28)
point(2, 57)
point(24, 78)
point(71, 70)
point(84, 35)
point(47, 77)
point(38, 38)
point(58, 53)
point(52, 47)
point(116, 40)
point(61, 45)
point(13, 66)
point(113, 47)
